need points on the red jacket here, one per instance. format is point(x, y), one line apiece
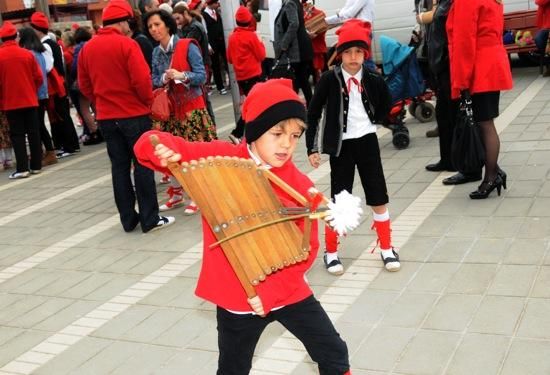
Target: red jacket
point(477, 56)
point(113, 74)
point(543, 14)
point(20, 77)
point(246, 52)
point(217, 282)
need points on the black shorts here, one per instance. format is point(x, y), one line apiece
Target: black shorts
point(364, 153)
point(485, 105)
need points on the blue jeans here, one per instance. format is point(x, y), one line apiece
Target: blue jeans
point(120, 136)
point(541, 38)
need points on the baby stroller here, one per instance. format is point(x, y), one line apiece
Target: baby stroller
point(407, 88)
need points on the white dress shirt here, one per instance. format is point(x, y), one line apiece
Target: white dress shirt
point(358, 121)
point(362, 9)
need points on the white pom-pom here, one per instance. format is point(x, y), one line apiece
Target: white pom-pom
point(344, 212)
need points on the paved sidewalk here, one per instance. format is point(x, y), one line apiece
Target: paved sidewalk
point(80, 296)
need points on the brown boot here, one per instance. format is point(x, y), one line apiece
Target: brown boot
point(49, 158)
point(432, 133)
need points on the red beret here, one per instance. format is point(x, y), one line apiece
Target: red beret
point(269, 103)
point(354, 33)
point(194, 4)
point(243, 16)
point(7, 30)
point(116, 11)
point(40, 21)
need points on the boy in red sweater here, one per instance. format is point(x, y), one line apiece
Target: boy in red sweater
point(274, 117)
point(246, 52)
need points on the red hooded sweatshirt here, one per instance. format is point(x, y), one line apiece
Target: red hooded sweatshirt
point(246, 52)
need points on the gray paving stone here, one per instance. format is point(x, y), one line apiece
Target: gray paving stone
point(468, 227)
point(168, 292)
point(369, 307)
point(124, 322)
point(19, 344)
point(540, 207)
point(515, 207)
point(376, 354)
point(42, 312)
point(432, 277)
point(109, 358)
point(535, 322)
point(75, 356)
point(472, 279)
point(527, 357)
point(8, 333)
point(497, 315)
point(66, 280)
point(113, 287)
point(436, 226)
point(540, 289)
point(536, 227)
point(417, 306)
point(524, 251)
point(502, 227)
point(396, 281)
point(151, 327)
point(181, 333)
point(20, 307)
point(452, 313)
point(469, 360)
point(66, 316)
point(512, 280)
point(451, 249)
point(87, 286)
point(189, 360)
point(488, 250)
point(428, 352)
point(145, 361)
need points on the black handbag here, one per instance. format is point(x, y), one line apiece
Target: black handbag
point(282, 69)
point(467, 150)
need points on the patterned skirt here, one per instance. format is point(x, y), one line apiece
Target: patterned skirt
point(197, 126)
point(5, 141)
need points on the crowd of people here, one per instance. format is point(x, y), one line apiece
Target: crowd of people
point(179, 47)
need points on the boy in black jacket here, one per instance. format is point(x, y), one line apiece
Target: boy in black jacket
point(349, 135)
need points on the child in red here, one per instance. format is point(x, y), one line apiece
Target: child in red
point(354, 99)
point(274, 117)
point(246, 52)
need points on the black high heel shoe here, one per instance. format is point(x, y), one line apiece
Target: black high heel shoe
point(487, 187)
point(503, 176)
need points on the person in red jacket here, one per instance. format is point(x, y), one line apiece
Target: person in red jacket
point(318, 41)
point(480, 67)
point(20, 78)
point(543, 24)
point(113, 74)
point(245, 51)
point(274, 116)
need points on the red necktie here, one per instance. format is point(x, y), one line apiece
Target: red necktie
point(356, 82)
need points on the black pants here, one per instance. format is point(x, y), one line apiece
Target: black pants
point(244, 86)
point(120, 136)
point(44, 133)
point(307, 320)
point(364, 153)
point(446, 111)
point(63, 130)
point(219, 63)
point(24, 123)
point(303, 70)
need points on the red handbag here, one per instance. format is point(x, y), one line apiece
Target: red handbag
point(161, 108)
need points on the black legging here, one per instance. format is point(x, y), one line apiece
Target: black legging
point(302, 71)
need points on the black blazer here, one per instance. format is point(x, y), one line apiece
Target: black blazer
point(331, 94)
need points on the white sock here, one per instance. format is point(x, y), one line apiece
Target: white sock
point(381, 217)
point(387, 253)
point(332, 256)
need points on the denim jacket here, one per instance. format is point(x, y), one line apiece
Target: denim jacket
point(43, 89)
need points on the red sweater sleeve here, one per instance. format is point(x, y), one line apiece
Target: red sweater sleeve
point(259, 49)
point(84, 82)
point(463, 20)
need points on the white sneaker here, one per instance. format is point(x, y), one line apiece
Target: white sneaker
point(163, 222)
point(391, 264)
point(36, 171)
point(335, 267)
point(16, 175)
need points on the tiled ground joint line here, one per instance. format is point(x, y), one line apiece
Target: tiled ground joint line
point(70, 335)
point(367, 266)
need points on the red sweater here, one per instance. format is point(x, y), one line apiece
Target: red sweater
point(246, 52)
point(477, 56)
point(543, 14)
point(20, 77)
point(113, 74)
point(217, 282)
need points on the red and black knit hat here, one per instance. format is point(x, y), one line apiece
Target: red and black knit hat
point(269, 103)
point(7, 30)
point(116, 11)
point(354, 33)
point(243, 17)
point(40, 22)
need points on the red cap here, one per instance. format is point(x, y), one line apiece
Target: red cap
point(269, 103)
point(7, 30)
point(354, 33)
point(116, 11)
point(243, 16)
point(194, 4)
point(40, 21)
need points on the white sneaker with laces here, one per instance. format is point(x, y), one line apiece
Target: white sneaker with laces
point(333, 267)
point(16, 175)
point(163, 222)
